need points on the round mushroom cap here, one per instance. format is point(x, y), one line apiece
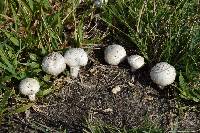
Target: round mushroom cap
point(53, 63)
point(163, 74)
point(29, 86)
point(114, 54)
point(76, 57)
point(136, 61)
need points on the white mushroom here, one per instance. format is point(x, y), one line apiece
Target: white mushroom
point(99, 3)
point(163, 74)
point(136, 62)
point(114, 54)
point(29, 87)
point(53, 63)
point(75, 58)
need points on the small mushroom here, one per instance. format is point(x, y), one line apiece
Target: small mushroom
point(114, 54)
point(163, 74)
point(99, 3)
point(29, 87)
point(136, 62)
point(75, 58)
point(53, 63)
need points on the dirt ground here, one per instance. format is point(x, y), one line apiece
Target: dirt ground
point(89, 97)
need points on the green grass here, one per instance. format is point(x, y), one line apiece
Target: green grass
point(160, 30)
point(146, 127)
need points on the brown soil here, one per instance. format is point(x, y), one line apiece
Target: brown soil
point(89, 97)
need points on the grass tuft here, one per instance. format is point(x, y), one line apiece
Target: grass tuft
point(147, 127)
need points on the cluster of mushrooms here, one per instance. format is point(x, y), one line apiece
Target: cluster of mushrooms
point(54, 63)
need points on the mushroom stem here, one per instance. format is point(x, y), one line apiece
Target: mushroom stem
point(31, 97)
point(74, 71)
point(133, 69)
point(133, 78)
point(161, 87)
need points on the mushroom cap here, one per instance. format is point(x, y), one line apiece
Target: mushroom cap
point(114, 54)
point(99, 3)
point(163, 74)
point(29, 86)
point(136, 61)
point(53, 63)
point(76, 57)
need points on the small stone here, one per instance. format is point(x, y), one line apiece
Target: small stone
point(116, 89)
point(108, 110)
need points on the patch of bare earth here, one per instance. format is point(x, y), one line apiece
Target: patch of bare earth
point(90, 97)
